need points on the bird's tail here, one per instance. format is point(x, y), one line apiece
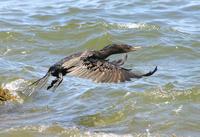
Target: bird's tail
point(38, 84)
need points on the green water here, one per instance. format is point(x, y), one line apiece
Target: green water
point(36, 34)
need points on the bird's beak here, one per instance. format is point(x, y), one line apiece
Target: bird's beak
point(135, 48)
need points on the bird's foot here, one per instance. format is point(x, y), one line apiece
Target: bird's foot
point(55, 83)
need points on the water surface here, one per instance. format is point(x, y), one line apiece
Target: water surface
point(36, 34)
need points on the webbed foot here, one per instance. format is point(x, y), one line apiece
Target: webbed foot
point(55, 83)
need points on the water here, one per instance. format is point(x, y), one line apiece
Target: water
point(36, 34)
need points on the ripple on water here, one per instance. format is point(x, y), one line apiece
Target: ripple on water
point(35, 36)
point(55, 130)
point(114, 107)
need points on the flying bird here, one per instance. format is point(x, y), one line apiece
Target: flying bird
point(91, 64)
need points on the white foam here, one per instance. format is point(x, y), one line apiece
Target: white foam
point(127, 94)
point(23, 52)
point(132, 26)
point(66, 131)
point(6, 52)
point(178, 110)
point(129, 25)
point(14, 85)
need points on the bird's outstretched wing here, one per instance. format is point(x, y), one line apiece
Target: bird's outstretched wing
point(104, 71)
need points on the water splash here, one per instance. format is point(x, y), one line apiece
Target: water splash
point(133, 26)
point(13, 87)
point(178, 110)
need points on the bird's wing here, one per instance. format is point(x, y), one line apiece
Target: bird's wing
point(104, 71)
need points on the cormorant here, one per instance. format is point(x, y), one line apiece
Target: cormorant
point(91, 64)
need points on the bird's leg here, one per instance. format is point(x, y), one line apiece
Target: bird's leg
point(52, 83)
point(124, 59)
point(55, 83)
point(58, 82)
point(120, 61)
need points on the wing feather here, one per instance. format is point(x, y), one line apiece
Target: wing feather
point(121, 77)
point(103, 71)
point(83, 72)
point(118, 77)
point(113, 76)
point(92, 74)
point(99, 78)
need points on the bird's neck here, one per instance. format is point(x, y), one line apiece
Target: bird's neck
point(104, 53)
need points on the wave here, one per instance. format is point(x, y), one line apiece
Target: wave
point(12, 89)
point(58, 130)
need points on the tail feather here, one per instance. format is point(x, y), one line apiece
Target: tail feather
point(38, 84)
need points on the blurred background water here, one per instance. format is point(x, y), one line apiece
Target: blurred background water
point(36, 34)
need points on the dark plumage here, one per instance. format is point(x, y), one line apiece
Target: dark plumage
point(91, 64)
